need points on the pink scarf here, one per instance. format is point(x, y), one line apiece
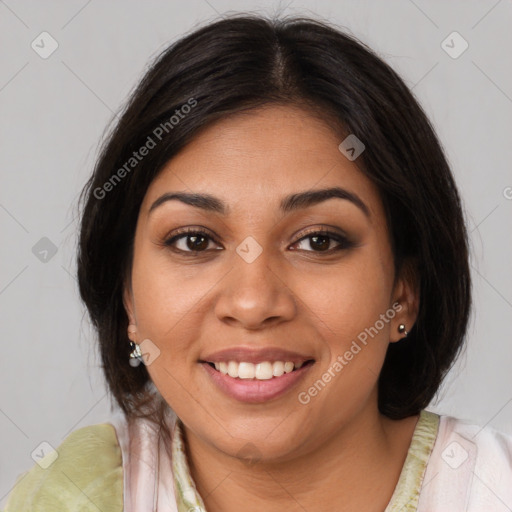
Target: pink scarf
point(147, 468)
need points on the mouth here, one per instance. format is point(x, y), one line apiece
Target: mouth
point(256, 376)
point(265, 370)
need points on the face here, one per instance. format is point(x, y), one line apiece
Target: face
point(288, 290)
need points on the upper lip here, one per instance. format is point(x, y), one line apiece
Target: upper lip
point(255, 355)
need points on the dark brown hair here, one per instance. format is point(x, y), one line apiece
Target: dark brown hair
point(244, 62)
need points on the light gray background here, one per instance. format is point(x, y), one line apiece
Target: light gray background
point(54, 112)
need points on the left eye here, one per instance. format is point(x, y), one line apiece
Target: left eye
point(321, 241)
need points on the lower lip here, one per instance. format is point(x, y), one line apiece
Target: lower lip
point(253, 390)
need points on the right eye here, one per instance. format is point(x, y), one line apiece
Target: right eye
point(190, 240)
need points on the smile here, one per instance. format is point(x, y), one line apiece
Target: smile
point(255, 375)
point(260, 371)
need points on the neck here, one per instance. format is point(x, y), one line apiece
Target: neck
point(356, 469)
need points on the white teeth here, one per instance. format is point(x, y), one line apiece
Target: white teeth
point(278, 369)
point(288, 367)
point(233, 369)
point(246, 371)
point(260, 371)
point(264, 371)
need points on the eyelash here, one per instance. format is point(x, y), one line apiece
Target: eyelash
point(344, 243)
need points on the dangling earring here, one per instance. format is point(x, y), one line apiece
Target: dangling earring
point(401, 330)
point(135, 354)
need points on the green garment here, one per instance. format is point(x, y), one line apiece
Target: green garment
point(87, 476)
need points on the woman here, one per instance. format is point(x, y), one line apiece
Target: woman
point(274, 255)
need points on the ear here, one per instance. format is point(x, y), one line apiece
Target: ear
point(128, 302)
point(406, 293)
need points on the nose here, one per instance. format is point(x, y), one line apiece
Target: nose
point(254, 295)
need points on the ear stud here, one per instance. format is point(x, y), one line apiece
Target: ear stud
point(402, 330)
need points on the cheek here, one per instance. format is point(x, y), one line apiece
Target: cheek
point(349, 298)
point(168, 302)
point(169, 308)
point(348, 311)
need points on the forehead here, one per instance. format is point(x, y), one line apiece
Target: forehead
point(255, 158)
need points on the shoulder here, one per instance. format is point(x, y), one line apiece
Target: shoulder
point(470, 467)
point(488, 443)
point(84, 473)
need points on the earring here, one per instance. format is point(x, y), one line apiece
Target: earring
point(135, 355)
point(401, 330)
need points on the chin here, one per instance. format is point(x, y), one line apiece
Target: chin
point(254, 438)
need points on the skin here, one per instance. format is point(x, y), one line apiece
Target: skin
point(293, 296)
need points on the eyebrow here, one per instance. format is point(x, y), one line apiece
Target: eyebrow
point(290, 203)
